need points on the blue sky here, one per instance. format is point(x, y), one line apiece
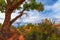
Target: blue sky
point(47, 2)
point(51, 11)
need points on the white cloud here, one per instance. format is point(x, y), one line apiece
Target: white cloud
point(30, 19)
point(56, 9)
point(56, 6)
point(2, 17)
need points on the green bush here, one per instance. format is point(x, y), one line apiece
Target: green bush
point(42, 31)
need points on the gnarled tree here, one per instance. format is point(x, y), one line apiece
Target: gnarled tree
point(8, 6)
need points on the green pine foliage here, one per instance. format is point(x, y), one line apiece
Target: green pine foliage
point(2, 5)
point(33, 5)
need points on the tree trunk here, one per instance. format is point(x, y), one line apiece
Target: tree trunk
point(5, 30)
point(7, 19)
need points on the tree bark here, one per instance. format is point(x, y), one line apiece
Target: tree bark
point(7, 19)
point(5, 30)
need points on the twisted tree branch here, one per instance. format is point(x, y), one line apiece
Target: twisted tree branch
point(19, 16)
point(17, 4)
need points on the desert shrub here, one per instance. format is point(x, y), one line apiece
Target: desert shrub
point(42, 31)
